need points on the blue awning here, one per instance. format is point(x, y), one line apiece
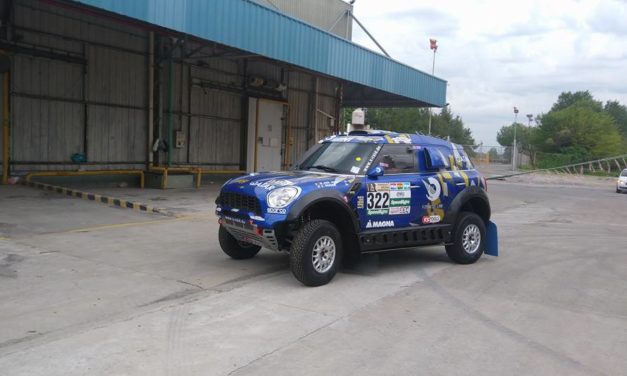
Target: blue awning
point(371, 78)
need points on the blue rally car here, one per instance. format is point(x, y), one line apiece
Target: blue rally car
point(367, 191)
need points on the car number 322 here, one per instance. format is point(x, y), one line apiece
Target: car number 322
point(378, 200)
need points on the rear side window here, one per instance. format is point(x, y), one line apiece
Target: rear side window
point(397, 159)
point(466, 162)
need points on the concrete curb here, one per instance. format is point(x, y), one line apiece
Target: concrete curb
point(110, 201)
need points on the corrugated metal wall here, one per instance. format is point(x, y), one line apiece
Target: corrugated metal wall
point(216, 118)
point(117, 82)
point(92, 97)
point(93, 102)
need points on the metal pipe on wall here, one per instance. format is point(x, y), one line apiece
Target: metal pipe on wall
point(189, 110)
point(151, 96)
point(170, 104)
point(85, 74)
point(5, 128)
point(316, 104)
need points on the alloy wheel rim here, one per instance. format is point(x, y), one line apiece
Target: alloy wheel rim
point(323, 254)
point(471, 239)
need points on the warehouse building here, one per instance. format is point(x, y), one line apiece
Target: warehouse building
point(213, 86)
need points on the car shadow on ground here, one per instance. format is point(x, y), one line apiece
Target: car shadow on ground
point(368, 266)
point(398, 260)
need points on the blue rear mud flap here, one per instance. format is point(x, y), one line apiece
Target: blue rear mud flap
point(492, 235)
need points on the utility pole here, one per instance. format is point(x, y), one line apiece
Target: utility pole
point(433, 44)
point(514, 146)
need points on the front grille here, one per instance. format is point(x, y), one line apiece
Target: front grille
point(239, 201)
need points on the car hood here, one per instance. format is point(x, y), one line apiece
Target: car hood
point(259, 184)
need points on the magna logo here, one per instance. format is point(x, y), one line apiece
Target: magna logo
point(377, 224)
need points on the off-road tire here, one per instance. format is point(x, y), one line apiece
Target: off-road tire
point(301, 252)
point(456, 250)
point(234, 248)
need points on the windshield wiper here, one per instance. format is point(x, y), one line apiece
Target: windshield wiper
point(324, 168)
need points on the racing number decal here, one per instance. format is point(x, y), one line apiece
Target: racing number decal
point(388, 198)
point(378, 200)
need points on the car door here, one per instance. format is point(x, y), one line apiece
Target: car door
point(437, 184)
point(387, 201)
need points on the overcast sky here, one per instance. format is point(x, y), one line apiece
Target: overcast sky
point(500, 54)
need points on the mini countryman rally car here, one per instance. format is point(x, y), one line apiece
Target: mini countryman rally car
point(367, 191)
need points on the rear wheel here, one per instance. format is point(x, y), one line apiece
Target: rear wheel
point(316, 253)
point(235, 248)
point(468, 239)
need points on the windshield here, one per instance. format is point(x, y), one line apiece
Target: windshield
point(624, 173)
point(339, 157)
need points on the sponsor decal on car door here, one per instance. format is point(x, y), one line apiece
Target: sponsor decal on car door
point(385, 204)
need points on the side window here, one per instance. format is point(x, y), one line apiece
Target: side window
point(397, 159)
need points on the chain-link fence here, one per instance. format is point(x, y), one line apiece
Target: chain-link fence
point(483, 154)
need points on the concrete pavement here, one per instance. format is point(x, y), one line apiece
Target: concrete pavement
point(87, 289)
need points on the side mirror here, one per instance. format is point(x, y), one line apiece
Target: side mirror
point(375, 172)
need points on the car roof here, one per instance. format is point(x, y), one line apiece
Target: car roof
point(387, 137)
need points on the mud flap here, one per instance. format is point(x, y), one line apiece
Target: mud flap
point(492, 241)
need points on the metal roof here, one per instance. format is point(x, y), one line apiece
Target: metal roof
point(371, 78)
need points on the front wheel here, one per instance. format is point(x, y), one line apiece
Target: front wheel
point(468, 239)
point(234, 248)
point(316, 252)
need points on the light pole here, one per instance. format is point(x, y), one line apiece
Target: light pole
point(530, 117)
point(433, 44)
point(515, 144)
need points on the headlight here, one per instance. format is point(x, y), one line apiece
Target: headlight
point(281, 197)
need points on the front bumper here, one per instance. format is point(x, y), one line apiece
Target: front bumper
point(248, 232)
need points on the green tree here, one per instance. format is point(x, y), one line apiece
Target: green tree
point(578, 130)
point(582, 98)
point(618, 112)
point(411, 120)
point(525, 138)
point(447, 126)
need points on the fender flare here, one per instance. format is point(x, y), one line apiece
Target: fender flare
point(318, 196)
point(462, 198)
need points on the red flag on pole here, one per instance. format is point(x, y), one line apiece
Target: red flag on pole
point(433, 44)
point(515, 109)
